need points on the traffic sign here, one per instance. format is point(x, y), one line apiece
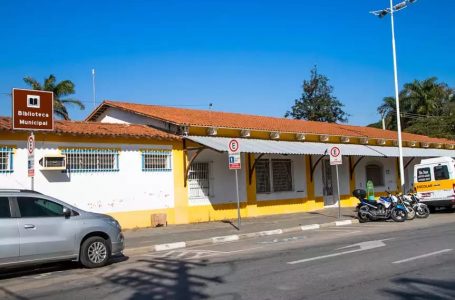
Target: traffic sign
point(234, 155)
point(31, 155)
point(234, 146)
point(335, 156)
point(33, 110)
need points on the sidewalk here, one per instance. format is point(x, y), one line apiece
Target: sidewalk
point(180, 236)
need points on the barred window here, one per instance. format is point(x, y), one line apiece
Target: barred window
point(91, 160)
point(263, 176)
point(156, 160)
point(6, 160)
point(282, 175)
point(375, 174)
point(273, 175)
point(198, 180)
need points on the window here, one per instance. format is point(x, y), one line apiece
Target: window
point(263, 176)
point(198, 180)
point(91, 160)
point(277, 178)
point(156, 160)
point(441, 172)
point(282, 175)
point(6, 159)
point(31, 207)
point(4, 208)
point(423, 174)
point(375, 174)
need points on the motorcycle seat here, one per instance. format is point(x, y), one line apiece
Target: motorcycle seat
point(371, 202)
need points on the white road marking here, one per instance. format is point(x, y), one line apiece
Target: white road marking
point(310, 227)
point(227, 238)
point(422, 256)
point(343, 223)
point(170, 246)
point(363, 246)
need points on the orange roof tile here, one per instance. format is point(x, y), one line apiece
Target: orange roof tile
point(101, 129)
point(208, 118)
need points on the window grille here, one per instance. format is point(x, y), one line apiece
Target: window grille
point(6, 160)
point(156, 160)
point(91, 160)
point(198, 180)
point(375, 174)
point(273, 175)
point(282, 175)
point(263, 176)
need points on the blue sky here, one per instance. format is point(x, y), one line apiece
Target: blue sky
point(242, 56)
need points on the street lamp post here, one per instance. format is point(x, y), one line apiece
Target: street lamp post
point(381, 14)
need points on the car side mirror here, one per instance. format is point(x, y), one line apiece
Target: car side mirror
point(66, 212)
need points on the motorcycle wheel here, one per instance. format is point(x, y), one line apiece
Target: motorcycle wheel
point(399, 215)
point(411, 213)
point(422, 211)
point(362, 217)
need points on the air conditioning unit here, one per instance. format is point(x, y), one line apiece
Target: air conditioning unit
point(53, 162)
point(345, 139)
point(245, 133)
point(274, 135)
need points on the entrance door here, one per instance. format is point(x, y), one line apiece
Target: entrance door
point(327, 183)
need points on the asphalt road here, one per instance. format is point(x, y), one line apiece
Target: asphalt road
point(381, 260)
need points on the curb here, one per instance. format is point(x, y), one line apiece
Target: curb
point(235, 237)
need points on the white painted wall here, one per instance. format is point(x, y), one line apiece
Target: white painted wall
point(343, 174)
point(389, 169)
point(115, 115)
point(222, 180)
point(128, 189)
point(298, 180)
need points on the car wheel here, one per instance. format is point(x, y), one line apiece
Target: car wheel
point(95, 252)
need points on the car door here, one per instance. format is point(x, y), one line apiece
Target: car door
point(9, 233)
point(44, 231)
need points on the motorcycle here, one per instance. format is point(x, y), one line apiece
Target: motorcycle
point(383, 209)
point(421, 209)
point(407, 202)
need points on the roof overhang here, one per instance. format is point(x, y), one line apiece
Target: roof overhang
point(284, 147)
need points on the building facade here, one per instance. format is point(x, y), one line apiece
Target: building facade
point(134, 161)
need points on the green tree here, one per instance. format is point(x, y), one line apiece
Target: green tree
point(61, 89)
point(317, 102)
point(426, 107)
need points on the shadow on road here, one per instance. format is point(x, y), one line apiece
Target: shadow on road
point(420, 289)
point(39, 269)
point(162, 278)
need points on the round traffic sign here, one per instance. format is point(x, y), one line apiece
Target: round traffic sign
point(233, 145)
point(335, 151)
point(31, 144)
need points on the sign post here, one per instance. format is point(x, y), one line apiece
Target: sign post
point(32, 111)
point(335, 160)
point(31, 159)
point(235, 164)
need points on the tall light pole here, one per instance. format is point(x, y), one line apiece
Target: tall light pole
point(381, 14)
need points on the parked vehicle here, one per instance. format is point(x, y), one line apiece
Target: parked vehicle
point(434, 182)
point(383, 209)
point(35, 228)
point(407, 202)
point(421, 209)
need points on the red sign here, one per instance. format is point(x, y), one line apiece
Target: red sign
point(234, 155)
point(335, 156)
point(33, 110)
point(233, 146)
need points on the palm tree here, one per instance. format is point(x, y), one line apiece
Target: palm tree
point(426, 97)
point(61, 89)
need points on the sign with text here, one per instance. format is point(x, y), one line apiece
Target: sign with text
point(31, 155)
point(234, 155)
point(33, 110)
point(335, 156)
